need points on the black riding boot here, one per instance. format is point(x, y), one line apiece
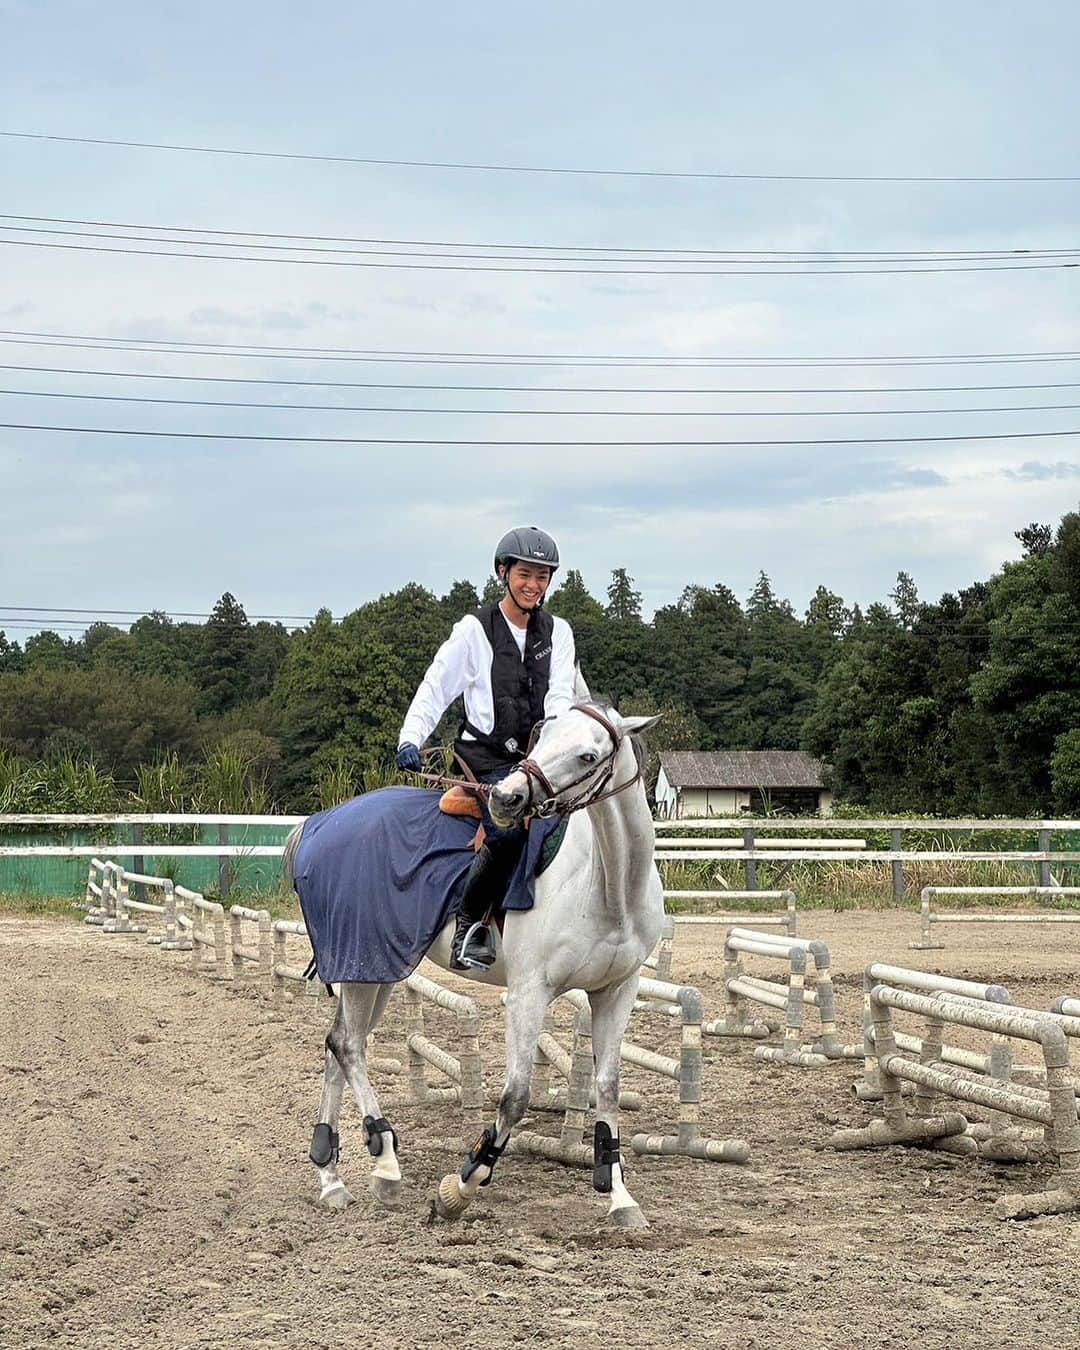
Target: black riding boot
point(473, 947)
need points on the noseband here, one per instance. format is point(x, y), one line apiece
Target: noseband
point(549, 805)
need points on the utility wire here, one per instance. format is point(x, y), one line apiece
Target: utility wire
point(142, 613)
point(535, 389)
point(568, 444)
point(533, 252)
point(539, 271)
point(178, 347)
point(539, 412)
point(548, 169)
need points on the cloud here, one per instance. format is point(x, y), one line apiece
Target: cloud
point(1035, 472)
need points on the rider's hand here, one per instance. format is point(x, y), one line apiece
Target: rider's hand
point(408, 757)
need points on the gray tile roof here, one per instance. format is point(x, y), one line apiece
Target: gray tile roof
point(742, 769)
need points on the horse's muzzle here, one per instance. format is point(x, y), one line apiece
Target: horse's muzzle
point(507, 806)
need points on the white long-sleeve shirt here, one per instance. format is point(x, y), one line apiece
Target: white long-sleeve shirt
point(462, 665)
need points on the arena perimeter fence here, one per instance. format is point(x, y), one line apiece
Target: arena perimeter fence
point(222, 855)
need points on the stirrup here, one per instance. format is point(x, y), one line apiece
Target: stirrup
point(482, 957)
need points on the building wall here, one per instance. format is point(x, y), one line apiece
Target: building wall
point(673, 803)
point(711, 802)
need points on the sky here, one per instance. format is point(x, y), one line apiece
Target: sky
point(100, 522)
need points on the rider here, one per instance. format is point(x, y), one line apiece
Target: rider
point(514, 663)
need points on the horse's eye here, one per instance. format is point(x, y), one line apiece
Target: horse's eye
point(589, 757)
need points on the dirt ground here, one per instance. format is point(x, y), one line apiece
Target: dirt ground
point(154, 1189)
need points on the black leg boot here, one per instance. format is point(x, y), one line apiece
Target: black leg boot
point(473, 947)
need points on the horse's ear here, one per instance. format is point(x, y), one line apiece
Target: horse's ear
point(634, 726)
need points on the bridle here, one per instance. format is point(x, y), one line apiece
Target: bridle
point(549, 804)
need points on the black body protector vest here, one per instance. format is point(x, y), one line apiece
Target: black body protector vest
point(518, 689)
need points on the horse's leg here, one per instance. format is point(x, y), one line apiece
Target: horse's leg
point(524, 1020)
point(611, 1010)
point(333, 1193)
point(362, 1005)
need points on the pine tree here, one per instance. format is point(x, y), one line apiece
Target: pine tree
point(624, 603)
point(905, 597)
point(223, 673)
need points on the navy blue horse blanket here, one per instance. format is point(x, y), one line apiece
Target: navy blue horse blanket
point(378, 877)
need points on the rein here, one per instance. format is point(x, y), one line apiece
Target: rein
point(537, 778)
point(469, 782)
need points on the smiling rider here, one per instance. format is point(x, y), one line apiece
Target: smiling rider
point(514, 664)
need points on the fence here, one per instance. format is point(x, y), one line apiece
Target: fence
point(928, 916)
point(243, 850)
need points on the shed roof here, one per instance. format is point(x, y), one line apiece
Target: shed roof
point(742, 769)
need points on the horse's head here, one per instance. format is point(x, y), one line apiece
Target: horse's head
point(570, 765)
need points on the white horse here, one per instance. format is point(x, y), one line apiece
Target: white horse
point(597, 916)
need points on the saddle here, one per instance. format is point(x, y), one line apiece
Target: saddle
point(461, 801)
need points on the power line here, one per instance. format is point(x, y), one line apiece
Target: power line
point(538, 412)
point(142, 613)
point(540, 271)
point(534, 389)
point(547, 169)
point(179, 347)
point(728, 254)
point(568, 444)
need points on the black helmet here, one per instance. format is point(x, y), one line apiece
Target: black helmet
point(527, 544)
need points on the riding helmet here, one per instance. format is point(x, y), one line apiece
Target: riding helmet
point(527, 544)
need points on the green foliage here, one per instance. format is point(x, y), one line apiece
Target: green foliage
point(336, 782)
point(164, 786)
point(1065, 773)
point(60, 786)
point(118, 720)
point(231, 781)
point(970, 705)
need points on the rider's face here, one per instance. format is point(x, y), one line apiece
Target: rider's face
point(528, 583)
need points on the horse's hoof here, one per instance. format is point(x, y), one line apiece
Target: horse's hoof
point(386, 1191)
point(450, 1202)
point(336, 1197)
point(629, 1216)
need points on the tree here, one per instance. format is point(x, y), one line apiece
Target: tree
point(905, 597)
point(700, 660)
point(1037, 539)
point(340, 695)
point(624, 603)
point(459, 600)
point(409, 622)
point(119, 719)
point(494, 590)
point(95, 635)
point(49, 651)
point(572, 602)
point(224, 673)
point(1065, 772)
point(11, 657)
point(1026, 692)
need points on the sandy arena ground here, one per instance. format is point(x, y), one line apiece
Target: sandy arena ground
point(154, 1189)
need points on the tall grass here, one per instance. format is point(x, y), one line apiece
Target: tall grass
point(62, 786)
point(229, 782)
point(337, 782)
point(164, 787)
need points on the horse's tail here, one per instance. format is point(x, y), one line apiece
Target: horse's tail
point(291, 845)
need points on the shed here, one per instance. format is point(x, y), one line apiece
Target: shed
point(728, 782)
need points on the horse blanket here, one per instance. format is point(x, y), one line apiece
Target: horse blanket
point(379, 876)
